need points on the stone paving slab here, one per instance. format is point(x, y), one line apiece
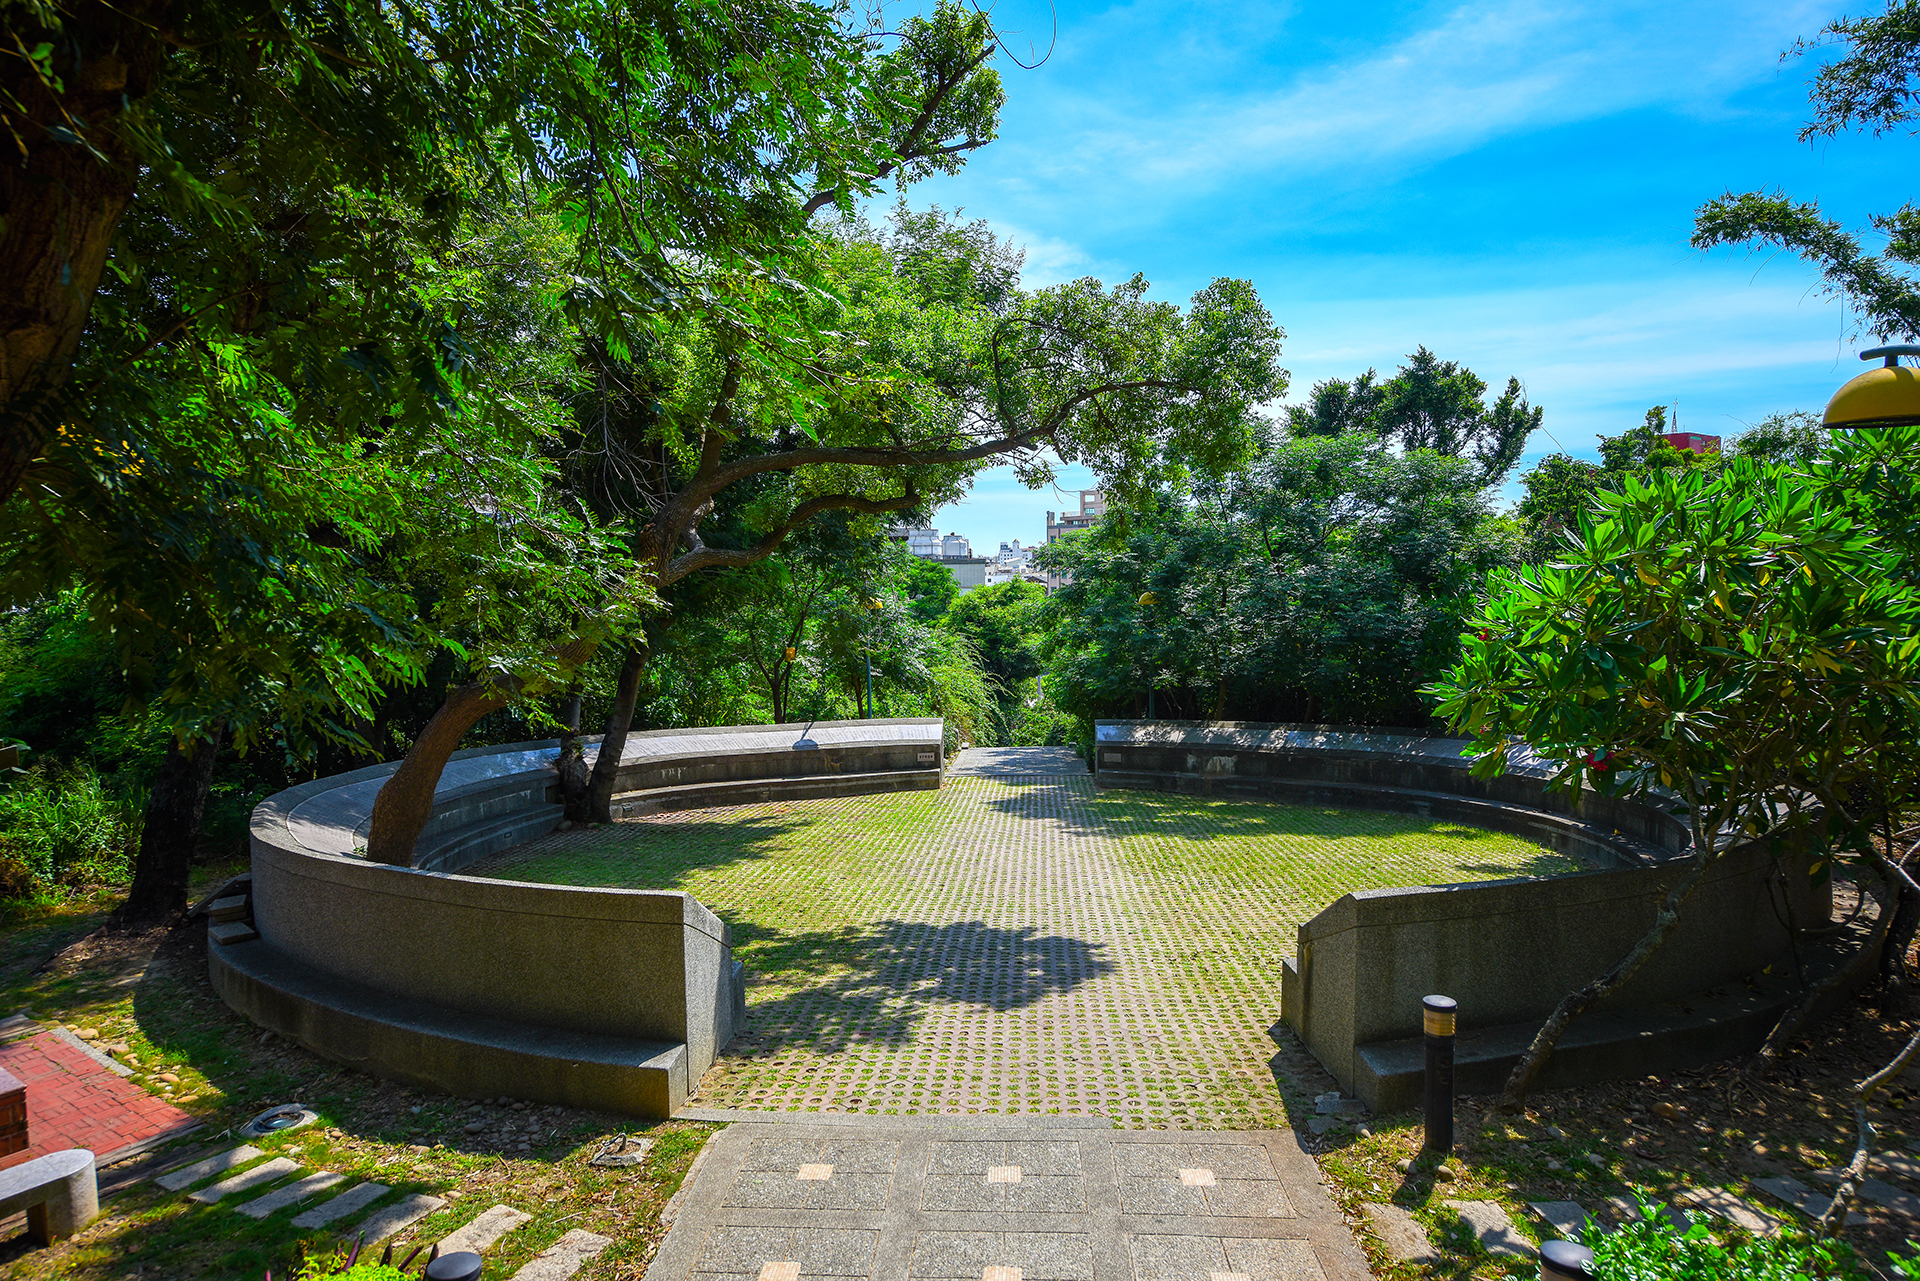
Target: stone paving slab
point(188, 1175)
point(484, 1229)
point(265, 1172)
point(943, 1200)
point(358, 1197)
point(384, 1223)
point(564, 1257)
point(295, 1192)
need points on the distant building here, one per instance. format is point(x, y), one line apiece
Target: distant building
point(968, 572)
point(921, 540)
point(1692, 441)
point(1093, 505)
point(953, 545)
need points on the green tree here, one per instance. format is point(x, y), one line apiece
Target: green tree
point(1872, 86)
point(931, 587)
point(1736, 641)
point(1002, 623)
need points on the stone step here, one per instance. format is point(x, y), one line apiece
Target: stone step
point(298, 1190)
point(564, 1257)
point(229, 932)
point(487, 1227)
point(188, 1175)
point(358, 1197)
point(264, 1173)
point(384, 1223)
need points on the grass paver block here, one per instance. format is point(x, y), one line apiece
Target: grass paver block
point(293, 1193)
point(486, 1227)
point(564, 1257)
point(265, 1172)
point(188, 1175)
point(1019, 944)
point(358, 1197)
point(382, 1224)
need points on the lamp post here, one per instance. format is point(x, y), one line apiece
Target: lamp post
point(1147, 601)
point(1885, 397)
point(866, 652)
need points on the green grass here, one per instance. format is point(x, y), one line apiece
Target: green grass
point(1016, 945)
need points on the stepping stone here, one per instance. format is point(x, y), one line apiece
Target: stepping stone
point(486, 1228)
point(564, 1257)
point(187, 1175)
point(1627, 1210)
point(298, 1190)
point(358, 1197)
point(384, 1223)
point(266, 1172)
point(1401, 1234)
point(1567, 1218)
point(1802, 1198)
point(1900, 1165)
point(1730, 1207)
point(1493, 1229)
point(1899, 1200)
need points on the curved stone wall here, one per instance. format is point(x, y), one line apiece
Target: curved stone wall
point(1506, 950)
point(597, 997)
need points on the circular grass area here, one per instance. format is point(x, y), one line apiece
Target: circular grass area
point(1020, 944)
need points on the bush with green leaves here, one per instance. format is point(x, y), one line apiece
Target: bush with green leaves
point(1653, 1249)
point(59, 828)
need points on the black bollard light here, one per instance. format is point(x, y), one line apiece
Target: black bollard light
point(461, 1265)
point(1437, 1019)
point(1565, 1261)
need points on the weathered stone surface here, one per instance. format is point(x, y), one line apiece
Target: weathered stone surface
point(1567, 1219)
point(265, 1172)
point(188, 1175)
point(353, 1199)
point(1493, 1229)
point(298, 1190)
point(1731, 1208)
point(384, 1223)
point(564, 1257)
point(1801, 1197)
point(1401, 1234)
point(486, 1227)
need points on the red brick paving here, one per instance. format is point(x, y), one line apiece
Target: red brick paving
point(74, 1102)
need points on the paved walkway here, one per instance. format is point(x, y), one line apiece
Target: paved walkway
point(1018, 942)
point(1016, 1201)
point(74, 1100)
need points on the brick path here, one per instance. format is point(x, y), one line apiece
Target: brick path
point(74, 1101)
point(1017, 942)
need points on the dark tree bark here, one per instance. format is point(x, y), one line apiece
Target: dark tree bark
point(606, 767)
point(62, 201)
point(572, 765)
point(171, 832)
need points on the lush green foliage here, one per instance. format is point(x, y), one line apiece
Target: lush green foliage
point(1871, 86)
point(60, 830)
point(1326, 580)
point(1651, 1248)
point(1743, 640)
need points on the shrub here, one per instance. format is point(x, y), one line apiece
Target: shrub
point(59, 830)
point(1652, 1249)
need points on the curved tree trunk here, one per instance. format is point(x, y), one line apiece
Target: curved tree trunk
point(171, 832)
point(1513, 1096)
point(405, 802)
point(606, 767)
point(62, 202)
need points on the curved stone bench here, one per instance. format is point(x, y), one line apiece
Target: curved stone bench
point(591, 996)
point(59, 1191)
point(1507, 950)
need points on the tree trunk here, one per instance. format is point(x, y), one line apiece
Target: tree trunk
point(62, 203)
point(572, 765)
point(1513, 1096)
point(405, 802)
point(606, 767)
point(171, 832)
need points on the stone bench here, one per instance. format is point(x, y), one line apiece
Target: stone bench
point(60, 1193)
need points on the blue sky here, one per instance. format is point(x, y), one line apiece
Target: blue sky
point(1511, 184)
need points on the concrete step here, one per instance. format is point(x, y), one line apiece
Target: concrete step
point(465, 1054)
point(693, 796)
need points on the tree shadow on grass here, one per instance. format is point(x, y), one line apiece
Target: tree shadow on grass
point(876, 982)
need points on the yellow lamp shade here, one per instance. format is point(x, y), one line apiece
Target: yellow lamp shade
point(1884, 397)
point(792, 653)
point(1148, 599)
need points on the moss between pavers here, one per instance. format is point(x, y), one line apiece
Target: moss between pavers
point(1021, 945)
